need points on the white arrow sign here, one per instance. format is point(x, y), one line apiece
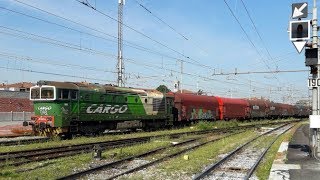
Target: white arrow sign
point(298, 12)
point(299, 45)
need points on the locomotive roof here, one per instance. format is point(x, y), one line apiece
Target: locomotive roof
point(100, 88)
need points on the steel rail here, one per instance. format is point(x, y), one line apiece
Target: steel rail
point(88, 171)
point(79, 174)
point(62, 151)
point(253, 168)
point(217, 164)
point(9, 142)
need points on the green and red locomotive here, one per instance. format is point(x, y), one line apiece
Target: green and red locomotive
point(65, 108)
point(70, 107)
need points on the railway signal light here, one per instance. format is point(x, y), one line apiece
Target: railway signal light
point(299, 30)
point(311, 57)
point(314, 70)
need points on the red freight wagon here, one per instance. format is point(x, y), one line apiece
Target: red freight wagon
point(290, 110)
point(305, 111)
point(233, 108)
point(258, 108)
point(193, 107)
point(286, 110)
point(275, 110)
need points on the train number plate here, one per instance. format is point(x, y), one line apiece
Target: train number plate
point(313, 82)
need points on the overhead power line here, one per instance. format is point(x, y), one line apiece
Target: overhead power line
point(260, 72)
point(73, 46)
point(51, 62)
point(256, 29)
point(172, 28)
point(248, 37)
point(149, 11)
point(143, 34)
point(55, 74)
point(126, 43)
point(31, 36)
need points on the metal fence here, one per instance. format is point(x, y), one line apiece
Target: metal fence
point(15, 116)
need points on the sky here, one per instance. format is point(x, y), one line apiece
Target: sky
point(165, 41)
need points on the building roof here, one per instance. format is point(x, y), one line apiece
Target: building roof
point(17, 85)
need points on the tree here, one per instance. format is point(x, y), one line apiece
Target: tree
point(164, 89)
point(200, 92)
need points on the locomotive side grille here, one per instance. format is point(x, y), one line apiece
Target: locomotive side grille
point(158, 104)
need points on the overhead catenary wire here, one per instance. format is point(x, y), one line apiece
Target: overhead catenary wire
point(158, 67)
point(56, 74)
point(144, 35)
point(126, 43)
point(248, 37)
point(26, 35)
point(51, 73)
point(51, 62)
point(171, 27)
point(256, 30)
point(261, 72)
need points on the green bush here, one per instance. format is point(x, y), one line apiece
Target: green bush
point(204, 125)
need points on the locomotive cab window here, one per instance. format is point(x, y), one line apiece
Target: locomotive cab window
point(74, 94)
point(47, 93)
point(63, 94)
point(35, 93)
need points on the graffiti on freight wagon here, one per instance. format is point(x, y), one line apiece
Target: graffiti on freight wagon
point(201, 114)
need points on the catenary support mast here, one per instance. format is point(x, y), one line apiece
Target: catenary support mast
point(120, 65)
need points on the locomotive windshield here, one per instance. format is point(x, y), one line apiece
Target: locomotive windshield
point(42, 93)
point(46, 93)
point(35, 93)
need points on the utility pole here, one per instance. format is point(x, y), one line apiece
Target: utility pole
point(120, 65)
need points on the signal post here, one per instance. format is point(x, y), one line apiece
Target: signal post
point(299, 34)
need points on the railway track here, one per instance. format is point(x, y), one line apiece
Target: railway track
point(109, 173)
point(22, 157)
point(21, 140)
point(15, 158)
point(111, 170)
point(17, 140)
point(241, 162)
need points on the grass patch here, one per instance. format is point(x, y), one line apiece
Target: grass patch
point(263, 169)
point(120, 153)
point(207, 125)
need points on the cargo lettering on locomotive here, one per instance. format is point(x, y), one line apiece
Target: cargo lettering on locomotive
point(106, 109)
point(44, 109)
